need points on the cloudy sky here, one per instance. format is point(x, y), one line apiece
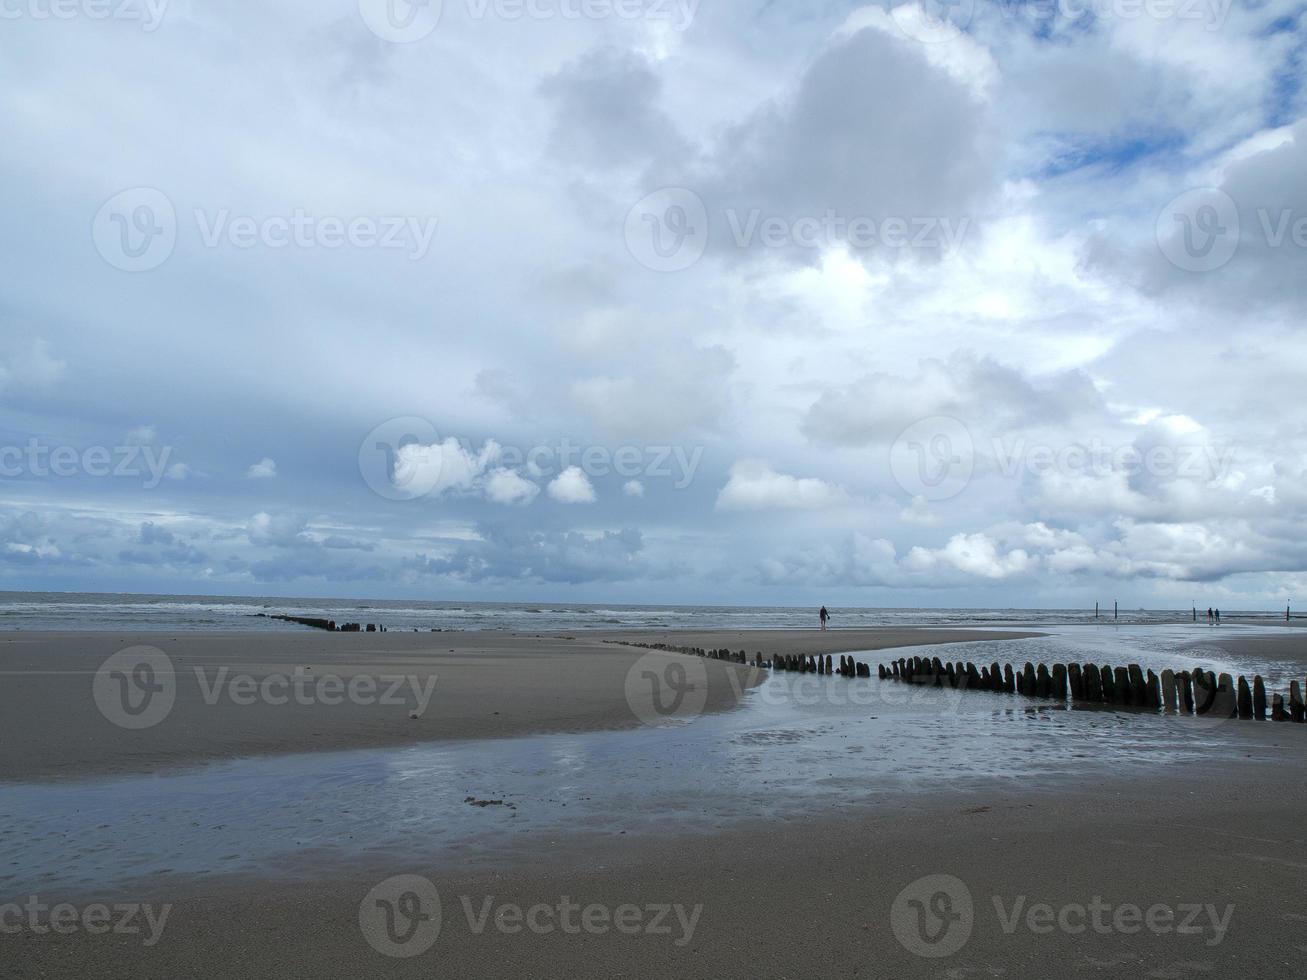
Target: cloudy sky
point(652, 300)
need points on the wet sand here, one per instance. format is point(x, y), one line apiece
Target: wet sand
point(486, 685)
point(1190, 868)
point(802, 898)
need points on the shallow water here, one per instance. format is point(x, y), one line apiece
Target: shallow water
point(799, 745)
point(90, 611)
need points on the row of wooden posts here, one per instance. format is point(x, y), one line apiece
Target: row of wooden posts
point(1186, 692)
point(326, 624)
point(848, 667)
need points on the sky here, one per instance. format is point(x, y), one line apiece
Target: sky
point(941, 304)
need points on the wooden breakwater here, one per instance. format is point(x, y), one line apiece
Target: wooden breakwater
point(800, 663)
point(326, 624)
point(1196, 692)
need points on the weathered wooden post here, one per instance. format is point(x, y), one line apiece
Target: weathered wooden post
point(1169, 690)
point(1077, 680)
point(1121, 685)
point(995, 677)
point(973, 678)
point(1058, 690)
point(829, 663)
point(1204, 691)
point(1259, 698)
point(1043, 682)
point(1186, 692)
point(1277, 708)
point(1028, 680)
point(1227, 701)
point(1154, 692)
point(1093, 684)
point(1109, 684)
point(1297, 709)
point(1138, 686)
point(1009, 681)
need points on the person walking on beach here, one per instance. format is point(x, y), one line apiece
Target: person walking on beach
point(1209, 615)
point(823, 616)
point(1218, 617)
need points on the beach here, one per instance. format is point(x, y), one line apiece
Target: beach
point(483, 684)
point(783, 829)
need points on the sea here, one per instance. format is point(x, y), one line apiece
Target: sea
point(104, 611)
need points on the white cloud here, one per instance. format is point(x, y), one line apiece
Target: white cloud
point(443, 467)
point(633, 488)
point(754, 485)
point(572, 486)
point(505, 486)
point(919, 512)
point(264, 469)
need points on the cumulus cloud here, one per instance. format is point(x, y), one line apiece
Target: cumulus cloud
point(264, 469)
point(754, 485)
point(572, 486)
point(505, 486)
point(633, 488)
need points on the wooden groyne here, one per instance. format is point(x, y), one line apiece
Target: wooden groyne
point(326, 624)
point(800, 663)
point(1196, 692)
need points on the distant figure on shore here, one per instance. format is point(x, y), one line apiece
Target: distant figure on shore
point(823, 616)
point(1218, 617)
point(1209, 615)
